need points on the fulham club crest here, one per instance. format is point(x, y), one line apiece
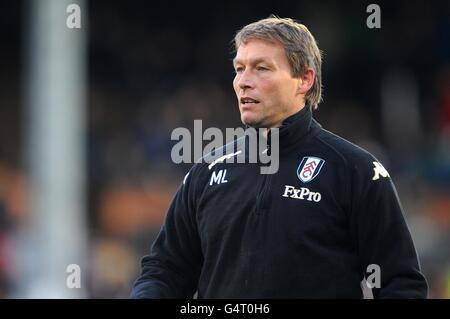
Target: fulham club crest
point(309, 168)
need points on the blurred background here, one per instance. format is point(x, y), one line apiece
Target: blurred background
point(86, 116)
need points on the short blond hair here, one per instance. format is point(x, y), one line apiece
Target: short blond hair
point(299, 44)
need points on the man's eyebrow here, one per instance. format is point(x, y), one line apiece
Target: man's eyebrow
point(236, 61)
point(253, 61)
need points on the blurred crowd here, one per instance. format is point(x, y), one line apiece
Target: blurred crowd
point(153, 68)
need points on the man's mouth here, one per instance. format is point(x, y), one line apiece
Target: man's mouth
point(248, 100)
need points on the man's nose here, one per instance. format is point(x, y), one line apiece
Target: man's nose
point(245, 81)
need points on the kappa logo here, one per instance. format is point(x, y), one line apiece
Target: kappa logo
point(309, 168)
point(379, 170)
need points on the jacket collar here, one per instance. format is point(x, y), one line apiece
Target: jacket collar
point(297, 127)
point(294, 129)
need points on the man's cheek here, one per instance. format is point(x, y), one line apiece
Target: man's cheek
point(235, 86)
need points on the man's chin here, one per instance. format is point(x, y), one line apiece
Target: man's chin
point(252, 122)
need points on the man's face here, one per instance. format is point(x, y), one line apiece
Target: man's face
point(266, 91)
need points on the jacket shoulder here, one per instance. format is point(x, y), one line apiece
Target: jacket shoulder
point(353, 155)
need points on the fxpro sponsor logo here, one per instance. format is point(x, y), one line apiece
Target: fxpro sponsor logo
point(301, 193)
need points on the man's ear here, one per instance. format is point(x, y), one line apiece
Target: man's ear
point(306, 81)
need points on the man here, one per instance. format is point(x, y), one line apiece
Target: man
point(328, 217)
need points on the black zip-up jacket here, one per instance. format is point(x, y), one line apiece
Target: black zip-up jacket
point(311, 230)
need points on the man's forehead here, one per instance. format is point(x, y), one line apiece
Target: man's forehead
point(257, 50)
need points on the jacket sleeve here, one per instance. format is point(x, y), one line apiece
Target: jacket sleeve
point(172, 268)
point(383, 240)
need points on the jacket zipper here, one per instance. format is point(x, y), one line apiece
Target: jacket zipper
point(264, 188)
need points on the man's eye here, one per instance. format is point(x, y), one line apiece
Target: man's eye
point(261, 68)
point(239, 69)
